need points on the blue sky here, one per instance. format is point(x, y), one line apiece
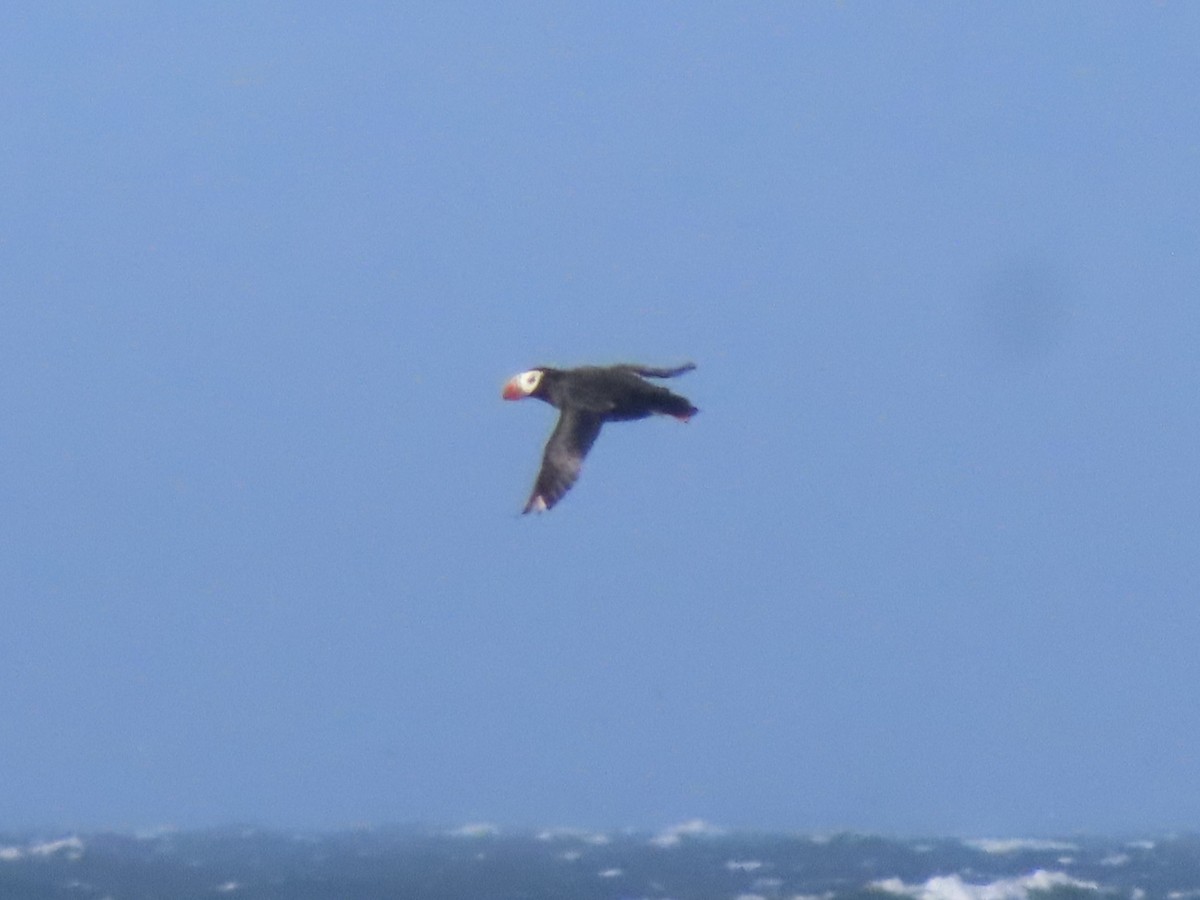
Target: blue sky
point(926, 561)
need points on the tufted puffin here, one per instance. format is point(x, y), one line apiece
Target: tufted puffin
point(586, 398)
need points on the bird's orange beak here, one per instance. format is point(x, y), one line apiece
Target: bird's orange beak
point(512, 391)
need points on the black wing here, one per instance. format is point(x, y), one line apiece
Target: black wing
point(569, 443)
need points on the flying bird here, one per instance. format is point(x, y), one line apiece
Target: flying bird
point(586, 398)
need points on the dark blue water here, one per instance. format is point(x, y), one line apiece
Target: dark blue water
point(689, 862)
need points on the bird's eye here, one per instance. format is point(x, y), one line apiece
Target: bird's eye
point(530, 381)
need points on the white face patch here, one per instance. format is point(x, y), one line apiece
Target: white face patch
point(528, 381)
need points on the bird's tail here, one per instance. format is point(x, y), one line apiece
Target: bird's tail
point(652, 372)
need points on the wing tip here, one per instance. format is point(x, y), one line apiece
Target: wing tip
point(537, 503)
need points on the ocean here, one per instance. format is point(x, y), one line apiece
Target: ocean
point(691, 861)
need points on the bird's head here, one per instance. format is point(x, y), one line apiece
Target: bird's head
point(522, 385)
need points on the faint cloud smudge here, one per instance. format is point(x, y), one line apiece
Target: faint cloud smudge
point(1023, 311)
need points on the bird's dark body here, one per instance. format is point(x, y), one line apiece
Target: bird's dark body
point(587, 397)
point(615, 393)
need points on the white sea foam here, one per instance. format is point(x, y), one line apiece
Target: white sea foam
point(475, 830)
point(952, 887)
point(153, 834)
point(611, 873)
point(48, 848)
point(72, 846)
point(595, 838)
point(743, 865)
point(671, 837)
point(1018, 845)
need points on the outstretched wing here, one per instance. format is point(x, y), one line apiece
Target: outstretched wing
point(653, 372)
point(569, 443)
